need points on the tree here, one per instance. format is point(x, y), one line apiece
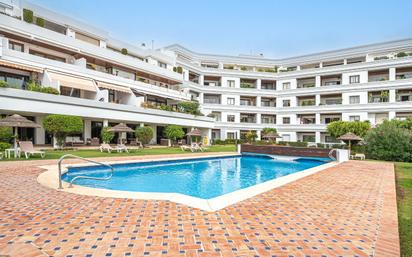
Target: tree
point(339, 128)
point(266, 131)
point(389, 142)
point(61, 126)
point(189, 107)
point(107, 135)
point(174, 132)
point(251, 136)
point(144, 134)
point(6, 134)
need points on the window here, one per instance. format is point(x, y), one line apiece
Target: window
point(230, 83)
point(354, 99)
point(286, 120)
point(286, 103)
point(286, 86)
point(16, 46)
point(231, 118)
point(69, 91)
point(162, 65)
point(354, 79)
point(231, 101)
point(230, 135)
point(308, 138)
point(354, 118)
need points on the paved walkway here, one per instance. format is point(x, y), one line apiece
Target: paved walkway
point(347, 210)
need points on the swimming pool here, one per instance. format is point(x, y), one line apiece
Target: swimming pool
point(203, 178)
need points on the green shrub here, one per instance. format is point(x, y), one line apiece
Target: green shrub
point(251, 136)
point(4, 146)
point(174, 132)
point(3, 84)
point(178, 69)
point(339, 128)
point(401, 54)
point(6, 134)
point(40, 22)
point(124, 51)
point(389, 142)
point(189, 107)
point(36, 87)
point(28, 15)
point(298, 144)
point(107, 136)
point(62, 125)
point(144, 134)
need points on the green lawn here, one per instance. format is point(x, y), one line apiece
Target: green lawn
point(404, 196)
point(51, 154)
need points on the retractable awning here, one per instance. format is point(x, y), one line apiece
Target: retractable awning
point(114, 87)
point(72, 81)
point(19, 66)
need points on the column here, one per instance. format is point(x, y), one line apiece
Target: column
point(317, 137)
point(391, 115)
point(317, 118)
point(392, 95)
point(258, 101)
point(317, 100)
point(317, 81)
point(201, 79)
point(392, 74)
point(87, 129)
point(258, 84)
point(258, 118)
point(40, 133)
point(259, 134)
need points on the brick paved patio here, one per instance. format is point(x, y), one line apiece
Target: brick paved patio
point(347, 210)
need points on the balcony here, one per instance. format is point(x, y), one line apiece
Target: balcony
point(268, 102)
point(404, 95)
point(404, 73)
point(212, 99)
point(331, 80)
point(328, 118)
point(212, 81)
point(306, 101)
point(268, 85)
point(247, 101)
point(306, 82)
point(378, 96)
point(268, 119)
point(378, 75)
point(331, 99)
point(247, 83)
point(306, 118)
point(247, 118)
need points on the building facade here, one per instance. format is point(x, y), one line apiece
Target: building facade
point(107, 81)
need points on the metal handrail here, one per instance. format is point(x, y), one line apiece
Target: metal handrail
point(84, 177)
point(330, 154)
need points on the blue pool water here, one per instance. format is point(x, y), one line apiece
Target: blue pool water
point(203, 178)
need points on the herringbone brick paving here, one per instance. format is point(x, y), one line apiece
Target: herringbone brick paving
point(347, 210)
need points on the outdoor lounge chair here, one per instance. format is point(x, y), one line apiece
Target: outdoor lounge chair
point(119, 148)
point(27, 148)
point(187, 147)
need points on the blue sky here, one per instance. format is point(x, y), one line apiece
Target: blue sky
point(274, 28)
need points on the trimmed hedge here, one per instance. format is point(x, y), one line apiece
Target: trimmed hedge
point(28, 15)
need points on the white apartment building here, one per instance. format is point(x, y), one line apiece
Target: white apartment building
point(299, 96)
point(107, 81)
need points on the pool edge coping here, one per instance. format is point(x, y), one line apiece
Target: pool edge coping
point(49, 179)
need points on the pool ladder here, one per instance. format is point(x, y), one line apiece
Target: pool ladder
point(83, 177)
point(330, 154)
